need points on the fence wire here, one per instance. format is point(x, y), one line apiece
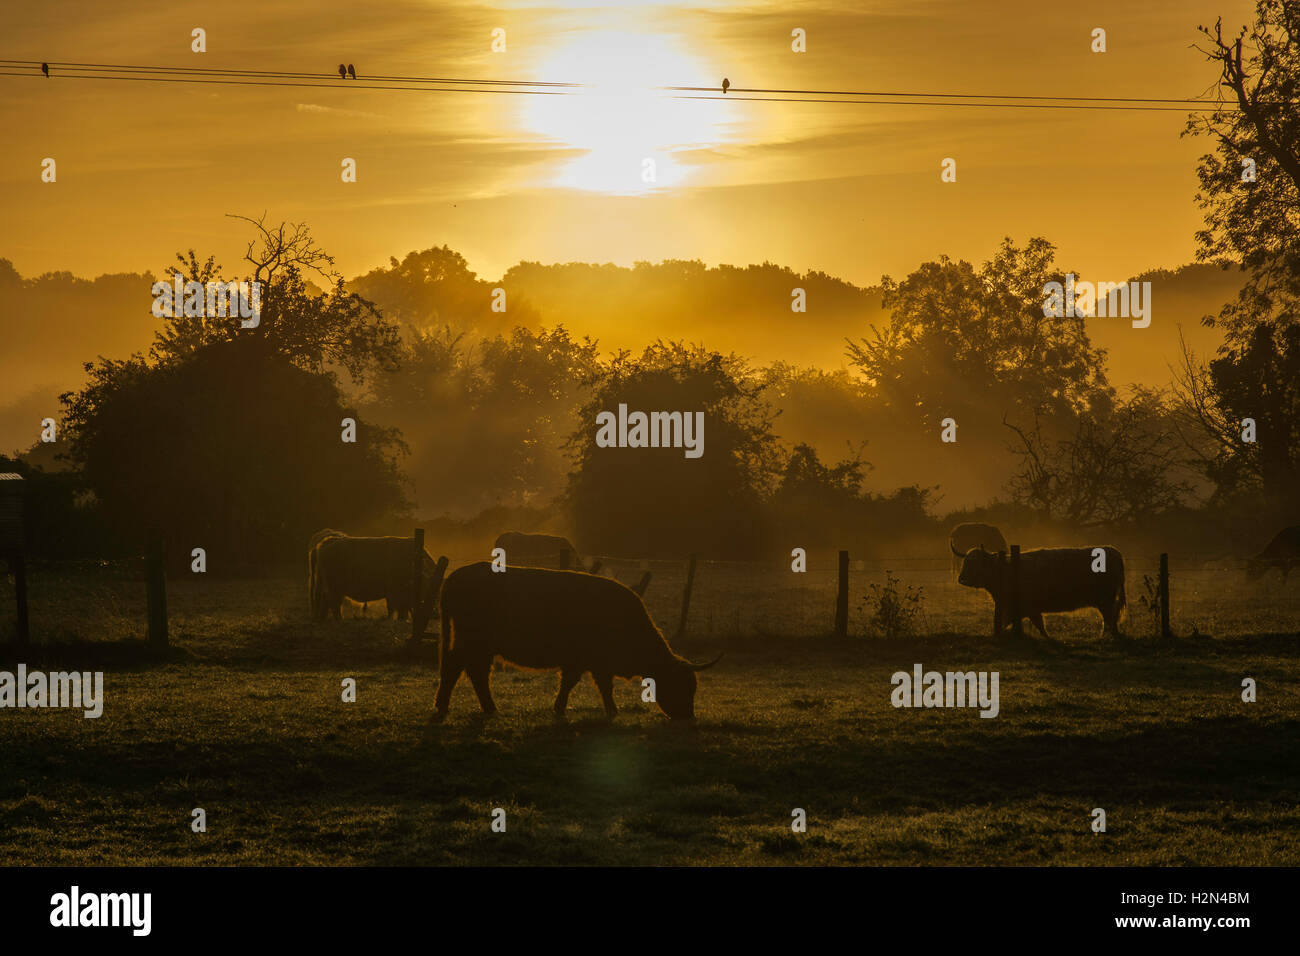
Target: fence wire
point(106, 600)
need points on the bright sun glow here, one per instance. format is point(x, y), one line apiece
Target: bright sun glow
point(621, 120)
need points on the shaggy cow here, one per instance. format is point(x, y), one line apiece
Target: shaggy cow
point(1051, 580)
point(1283, 553)
point(974, 535)
point(565, 620)
point(367, 569)
point(536, 550)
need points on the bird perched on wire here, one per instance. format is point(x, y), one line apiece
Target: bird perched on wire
point(343, 71)
point(351, 72)
point(45, 68)
point(726, 83)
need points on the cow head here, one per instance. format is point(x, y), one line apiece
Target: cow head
point(979, 569)
point(675, 687)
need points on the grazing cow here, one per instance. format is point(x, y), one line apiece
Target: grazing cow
point(367, 569)
point(974, 535)
point(1051, 580)
point(1283, 553)
point(565, 620)
point(313, 597)
point(536, 550)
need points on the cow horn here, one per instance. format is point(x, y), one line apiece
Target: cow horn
point(700, 667)
point(954, 549)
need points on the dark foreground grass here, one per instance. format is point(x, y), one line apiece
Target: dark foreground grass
point(245, 719)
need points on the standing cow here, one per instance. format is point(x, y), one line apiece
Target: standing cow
point(974, 535)
point(367, 569)
point(565, 620)
point(1283, 553)
point(536, 550)
point(1052, 580)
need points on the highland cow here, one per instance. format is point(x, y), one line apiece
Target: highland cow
point(1051, 580)
point(536, 550)
point(367, 569)
point(556, 620)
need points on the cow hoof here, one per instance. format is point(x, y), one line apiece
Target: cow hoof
point(439, 716)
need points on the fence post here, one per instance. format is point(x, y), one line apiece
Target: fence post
point(1164, 596)
point(842, 598)
point(686, 596)
point(1017, 623)
point(999, 609)
point(157, 590)
point(417, 585)
point(19, 565)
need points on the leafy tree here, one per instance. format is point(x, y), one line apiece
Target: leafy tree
point(655, 501)
point(966, 340)
point(233, 448)
point(314, 329)
point(1252, 222)
point(435, 287)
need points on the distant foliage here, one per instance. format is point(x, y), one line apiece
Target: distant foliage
point(894, 609)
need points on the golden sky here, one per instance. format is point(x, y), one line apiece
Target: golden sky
point(145, 169)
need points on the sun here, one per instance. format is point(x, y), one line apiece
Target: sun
point(621, 124)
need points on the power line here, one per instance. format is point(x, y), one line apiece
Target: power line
point(268, 78)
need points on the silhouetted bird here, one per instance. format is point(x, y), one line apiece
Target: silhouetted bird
point(351, 72)
point(343, 71)
point(45, 68)
point(725, 84)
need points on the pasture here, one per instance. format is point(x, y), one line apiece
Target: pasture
point(244, 718)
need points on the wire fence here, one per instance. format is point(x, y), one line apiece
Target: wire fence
point(729, 599)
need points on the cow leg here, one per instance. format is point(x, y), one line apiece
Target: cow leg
point(605, 684)
point(480, 675)
point(1109, 621)
point(452, 666)
point(568, 680)
point(1037, 618)
point(997, 619)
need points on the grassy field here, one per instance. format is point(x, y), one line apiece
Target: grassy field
point(245, 720)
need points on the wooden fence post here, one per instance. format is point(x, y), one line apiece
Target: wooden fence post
point(417, 584)
point(157, 590)
point(19, 565)
point(1164, 597)
point(999, 609)
point(1017, 623)
point(641, 585)
point(842, 598)
point(686, 596)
